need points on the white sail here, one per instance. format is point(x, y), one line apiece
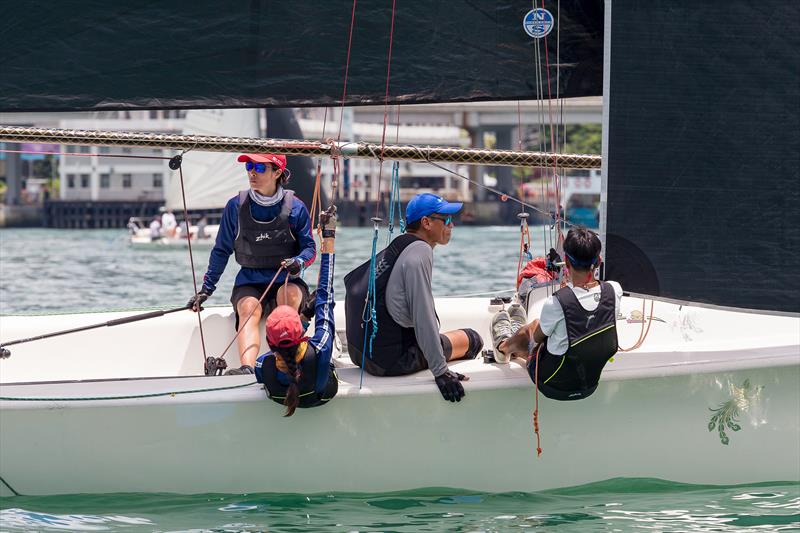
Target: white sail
point(210, 179)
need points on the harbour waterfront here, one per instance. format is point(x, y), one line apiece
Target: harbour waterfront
point(51, 271)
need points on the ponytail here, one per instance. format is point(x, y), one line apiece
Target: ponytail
point(295, 374)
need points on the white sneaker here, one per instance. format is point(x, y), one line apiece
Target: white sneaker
point(500, 331)
point(518, 316)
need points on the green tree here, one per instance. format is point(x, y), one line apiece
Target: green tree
point(584, 139)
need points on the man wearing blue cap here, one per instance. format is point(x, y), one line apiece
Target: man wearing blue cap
point(408, 338)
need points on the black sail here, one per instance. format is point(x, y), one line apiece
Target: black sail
point(703, 153)
point(96, 55)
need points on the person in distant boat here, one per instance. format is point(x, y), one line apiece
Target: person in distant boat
point(408, 338)
point(268, 229)
point(155, 229)
point(169, 224)
point(201, 228)
point(132, 226)
point(297, 371)
point(575, 335)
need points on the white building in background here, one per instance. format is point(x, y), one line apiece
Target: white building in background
point(359, 181)
point(94, 175)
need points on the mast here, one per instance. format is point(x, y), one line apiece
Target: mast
point(204, 143)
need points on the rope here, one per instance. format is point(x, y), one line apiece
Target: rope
point(370, 316)
point(124, 397)
point(643, 333)
point(394, 202)
point(385, 114)
point(191, 260)
point(347, 69)
point(502, 195)
point(524, 244)
point(536, 408)
point(241, 326)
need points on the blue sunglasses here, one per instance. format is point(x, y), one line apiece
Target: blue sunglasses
point(260, 167)
point(447, 220)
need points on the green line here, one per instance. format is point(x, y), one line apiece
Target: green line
point(130, 397)
point(593, 334)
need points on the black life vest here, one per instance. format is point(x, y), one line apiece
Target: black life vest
point(264, 244)
point(309, 397)
point(592, 342)
point(392, 339)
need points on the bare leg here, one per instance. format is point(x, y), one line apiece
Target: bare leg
point(460, 343)
point(518, 345)
point(291, 295)
point(249, 340)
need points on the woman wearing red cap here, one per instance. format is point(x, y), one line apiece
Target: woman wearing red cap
point(266, 227)
point(298, 371)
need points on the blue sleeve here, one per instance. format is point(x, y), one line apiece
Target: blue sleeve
point(324, 326)
point(300, 221)
point(223, 247)
point(259, 364)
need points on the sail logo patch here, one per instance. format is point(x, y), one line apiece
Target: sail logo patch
point(538, 22)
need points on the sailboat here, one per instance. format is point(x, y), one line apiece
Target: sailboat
point(710, 397)
point(211, 178)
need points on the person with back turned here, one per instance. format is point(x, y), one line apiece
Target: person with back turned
point(575, 335)
point(298, 372)
point(408, 338)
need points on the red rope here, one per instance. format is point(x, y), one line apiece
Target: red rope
point(347, 68)
point(385, 111)
point(556, 179)
point(536, 409)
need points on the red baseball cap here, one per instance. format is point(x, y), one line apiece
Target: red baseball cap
point(284, 327)
point(276, 159)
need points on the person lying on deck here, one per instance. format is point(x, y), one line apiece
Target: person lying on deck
point(575, 335)
point(298, 372)
point(408, 338)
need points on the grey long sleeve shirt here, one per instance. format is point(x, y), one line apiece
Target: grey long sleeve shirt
point(409, 300)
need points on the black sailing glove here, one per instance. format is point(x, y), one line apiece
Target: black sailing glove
point(450, 386)
point(195, 303)
point(327, 221)
point(292, 266)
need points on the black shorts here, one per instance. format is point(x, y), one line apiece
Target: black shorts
point(268, 304)
point(412, 359)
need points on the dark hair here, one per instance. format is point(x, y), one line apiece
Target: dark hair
point(293, 393)
point(414, 226)
point(283, 179)
point(582, 247)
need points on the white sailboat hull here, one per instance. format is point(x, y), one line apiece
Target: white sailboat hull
point(142, 238)
point(650, 416)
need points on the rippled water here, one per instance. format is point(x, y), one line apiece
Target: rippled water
point(47, 270)
point(617, 505)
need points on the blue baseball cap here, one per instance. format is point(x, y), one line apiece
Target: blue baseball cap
point(426, 204)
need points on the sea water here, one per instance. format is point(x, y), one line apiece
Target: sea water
point(52, 271)
point(56, 271)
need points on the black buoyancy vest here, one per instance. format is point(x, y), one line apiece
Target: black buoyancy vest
point(264, 244)
point(309, 397)
point(392, 338)
point(592, 342)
